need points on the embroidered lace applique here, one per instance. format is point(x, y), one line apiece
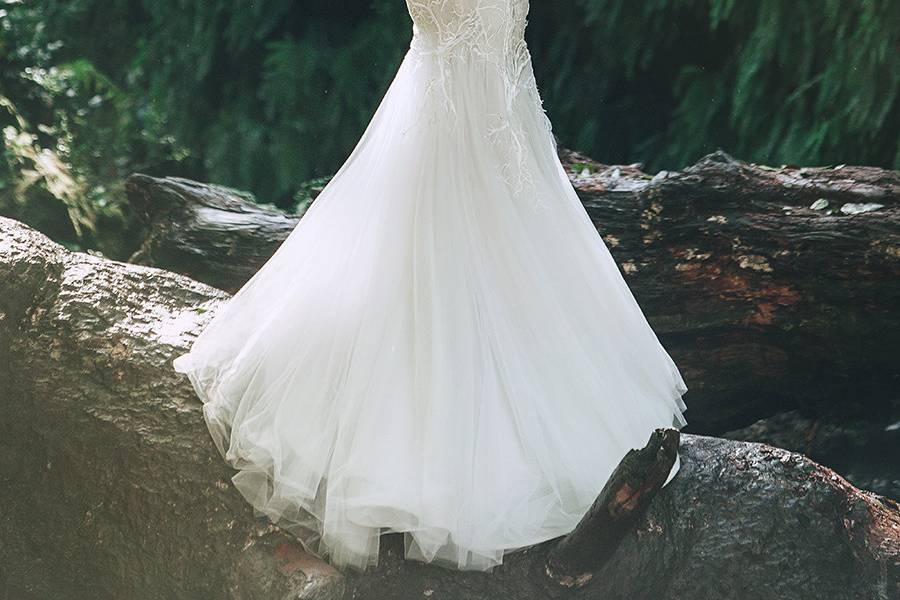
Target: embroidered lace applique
point(489, 34)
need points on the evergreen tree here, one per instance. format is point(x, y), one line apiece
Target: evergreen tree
point(263, 95)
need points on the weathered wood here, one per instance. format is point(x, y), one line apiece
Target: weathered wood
point(623, 499)
point(213, 234)
point(863, 450)
point(740, 520)
point(765, 303)
point(108, 485)
point(111, 487)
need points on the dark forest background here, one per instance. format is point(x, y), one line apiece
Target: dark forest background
point(263, 95)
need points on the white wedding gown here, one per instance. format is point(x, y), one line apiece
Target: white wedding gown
point(443, 346)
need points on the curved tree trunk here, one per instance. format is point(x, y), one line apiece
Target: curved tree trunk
point(113, 488)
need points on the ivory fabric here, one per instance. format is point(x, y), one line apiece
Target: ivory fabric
point(443, 346)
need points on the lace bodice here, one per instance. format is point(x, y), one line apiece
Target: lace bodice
point(488, 30)
point(486, 33)
point(491, 28)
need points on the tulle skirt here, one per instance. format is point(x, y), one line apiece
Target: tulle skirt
point(443, 346)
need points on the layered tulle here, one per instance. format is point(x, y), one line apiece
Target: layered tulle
point(443, 346)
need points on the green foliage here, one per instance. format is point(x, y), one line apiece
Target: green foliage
point(42, 172)
point(665, 81)
point(70, 135)
point(264, 95)
point(307, 192)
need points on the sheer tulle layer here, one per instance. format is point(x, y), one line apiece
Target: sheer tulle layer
point(441, 347)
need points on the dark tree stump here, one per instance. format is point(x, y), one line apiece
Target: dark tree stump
point(634, 483)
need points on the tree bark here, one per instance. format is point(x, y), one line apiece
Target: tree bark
point(211, 233)
point(862, 450)
point(113, 488)
point(765, 303)
point(627, 493)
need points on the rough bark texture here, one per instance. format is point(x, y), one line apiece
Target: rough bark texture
point(740, 520)
point(213, 234)
point(865, 451)
point(765, 303)
point(108, 485)
point(624, 498)
point(111, 487)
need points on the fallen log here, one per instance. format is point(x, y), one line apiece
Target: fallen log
point(766, 303)
point(211, 233)
point(862, 450)
point(112, 487)
point(740, 520)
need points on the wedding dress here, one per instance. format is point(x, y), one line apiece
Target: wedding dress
point(443, 346)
